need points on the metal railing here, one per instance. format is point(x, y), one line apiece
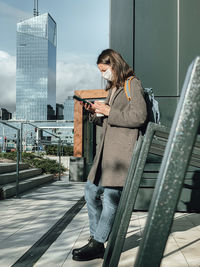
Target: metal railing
point(177, 157)
point(172, 172)
point(129, 195)
point(18, 151)
point(40, 128)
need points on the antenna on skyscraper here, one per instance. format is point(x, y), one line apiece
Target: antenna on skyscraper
point(35, 10)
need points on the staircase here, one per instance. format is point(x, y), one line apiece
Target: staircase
point(28, 178)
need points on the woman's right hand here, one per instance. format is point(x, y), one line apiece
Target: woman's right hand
point(91, 108)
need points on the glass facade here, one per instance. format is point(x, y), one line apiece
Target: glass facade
point(69, 109)
point(36, 68)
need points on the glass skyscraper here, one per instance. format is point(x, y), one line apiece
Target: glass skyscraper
point(36, 68)
point(69, 109)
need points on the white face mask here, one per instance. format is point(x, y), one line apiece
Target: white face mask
point(107, 75)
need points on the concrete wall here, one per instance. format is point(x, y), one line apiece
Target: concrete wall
point(160, 39)
point(121, 28)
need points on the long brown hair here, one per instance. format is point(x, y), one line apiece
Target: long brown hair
point(120, 69)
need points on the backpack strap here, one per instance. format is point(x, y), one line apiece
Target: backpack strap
point(127, 84)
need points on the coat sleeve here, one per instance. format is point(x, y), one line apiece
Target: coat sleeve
point(96, 120)
point(134, 114)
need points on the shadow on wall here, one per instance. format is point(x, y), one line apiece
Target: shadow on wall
point(193, 205)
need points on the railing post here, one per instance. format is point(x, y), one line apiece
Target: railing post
point(17, 148)
point(172, 171)
point(17, 169)
point(38, 138)
point(21, 142)
point(59, 151)
point(59, 144)
point(128, 197)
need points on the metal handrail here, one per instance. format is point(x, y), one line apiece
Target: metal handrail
point(17, 148)
point(129, 195)
point(172, 171)
point(40, 128)
point(177, 157)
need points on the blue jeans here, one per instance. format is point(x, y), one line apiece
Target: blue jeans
point(101, 209)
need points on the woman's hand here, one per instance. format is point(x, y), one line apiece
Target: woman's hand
point(90, 107)
point(101, 108)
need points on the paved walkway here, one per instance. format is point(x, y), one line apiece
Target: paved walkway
point(38, 228)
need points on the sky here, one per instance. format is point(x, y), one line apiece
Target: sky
point(82, 33)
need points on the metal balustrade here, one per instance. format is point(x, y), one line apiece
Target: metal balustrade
point(180, 150)
point(18, 152)
point(40, 128)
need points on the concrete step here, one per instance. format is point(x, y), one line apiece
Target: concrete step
point(9, 190)
point(6, 178)
point(11, 167)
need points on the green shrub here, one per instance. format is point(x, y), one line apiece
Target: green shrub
point(47, 165)
point(68, 151)
point(53, 150)
point(9, 155)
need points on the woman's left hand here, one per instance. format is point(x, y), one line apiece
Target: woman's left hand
point(102, 108)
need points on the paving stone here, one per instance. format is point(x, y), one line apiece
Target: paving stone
point(25, 220)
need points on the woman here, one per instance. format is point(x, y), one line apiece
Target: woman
point(121, 121)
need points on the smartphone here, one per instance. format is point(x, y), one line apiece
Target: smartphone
point(81, 99)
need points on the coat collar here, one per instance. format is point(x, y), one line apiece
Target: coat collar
point(115, 94)
point(108, 97)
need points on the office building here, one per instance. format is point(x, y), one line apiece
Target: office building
point(36, 68)
point(59, 111)
point(69, 109)
point(5, 114)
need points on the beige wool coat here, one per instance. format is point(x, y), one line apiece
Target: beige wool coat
point(119, 134)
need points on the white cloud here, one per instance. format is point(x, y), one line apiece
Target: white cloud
point(70, 77)
point(76, 76)
point(10, 12)
point(7, 81)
